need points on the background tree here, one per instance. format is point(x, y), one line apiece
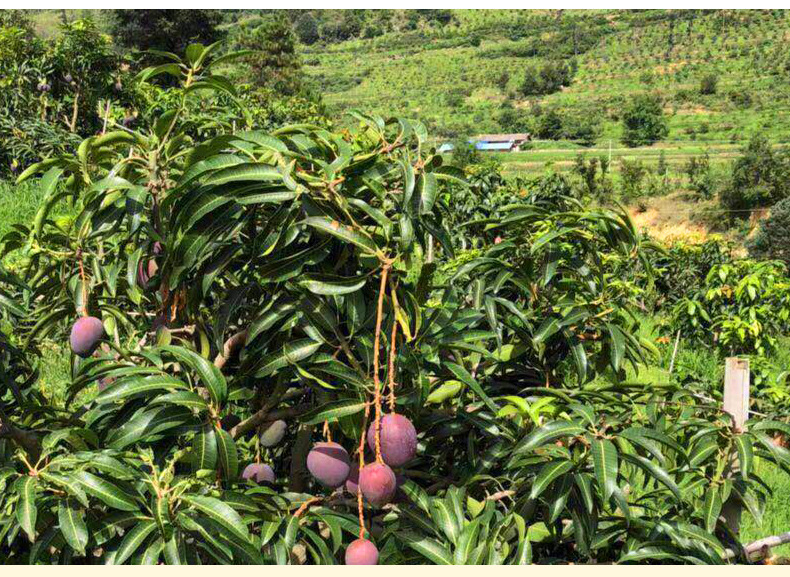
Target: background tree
point(643, 121)
point(759, 177)
point(276, 63)
point(171, 30)
point(772, 239)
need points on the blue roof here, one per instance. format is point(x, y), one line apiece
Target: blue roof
point(494, 145)
point(447, 147)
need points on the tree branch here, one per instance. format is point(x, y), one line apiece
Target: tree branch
point(266, 415)
point(230, 347)
point(759, 549)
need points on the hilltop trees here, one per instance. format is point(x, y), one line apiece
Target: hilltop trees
point(643, 121)
point(170, 30)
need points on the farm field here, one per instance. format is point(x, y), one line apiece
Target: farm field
point(250, 312)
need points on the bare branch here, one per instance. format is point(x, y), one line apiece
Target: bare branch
point(232, 345)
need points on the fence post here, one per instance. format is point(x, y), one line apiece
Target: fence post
point(736, 403)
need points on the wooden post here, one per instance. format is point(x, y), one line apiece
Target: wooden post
point(736, 390)
point(736, 403)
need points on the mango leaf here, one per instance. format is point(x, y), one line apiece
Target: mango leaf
point(548, 473)
point(72, 524)
point(26, 508)
point(604, 455)
point(463, 375)
point(132, 540)
point(228, 455)
point(429, 548)
point(333, 411)
point(548, 433)
point(341, 231)
point(106, 491)
point(220, 513)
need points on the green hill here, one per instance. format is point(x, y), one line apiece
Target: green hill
point(457, 77)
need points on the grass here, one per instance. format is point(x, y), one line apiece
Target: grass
point(776, 518)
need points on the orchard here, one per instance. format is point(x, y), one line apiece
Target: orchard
point(277, 356)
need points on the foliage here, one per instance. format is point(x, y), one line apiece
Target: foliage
point(708, 84)
point(465, 152)
point(741, 308)
point(550, 78)
point(169, 30)
point(643, 121)
point(50, 91)
point(632, 176)
point(681, 269)
point(772, 239)
point(759, 177)
point(286, 261)
point(700, 175)
point(594, 175)
point(273, 62)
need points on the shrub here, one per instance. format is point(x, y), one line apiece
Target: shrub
point(741, 309)
point(643, 121)
point(547, 79)
point(759, 177)
point(700, 176)
point(708, 84)
point(465, 152)
point(772, 239)
point(632, 175)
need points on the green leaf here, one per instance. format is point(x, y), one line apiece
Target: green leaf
point(132, 541)
point(656, 472)
point(26, 508)
point(220, 513)
point(427, 547)
point(204, 449)
point(711, 508)
point(427, 189)
point(72, 524)
point(228, 455)
point(605, 466)
point(463, 375)
point(71, 486)
point(138, 386)
point(341, 231)
point(332, 411)
point(332, 285)
point(547, 328)
point(210, 376)
point(444, 519)
point(107, 492)
point(182, 399)
point(618, 345)
point(547, 434)
point(446, 390)
point(247, 172)
point(148, 423)
point(745, 454)
point(547, 474)
point(292, 352)
point(466, 542)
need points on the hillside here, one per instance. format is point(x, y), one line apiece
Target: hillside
point(457, 77)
